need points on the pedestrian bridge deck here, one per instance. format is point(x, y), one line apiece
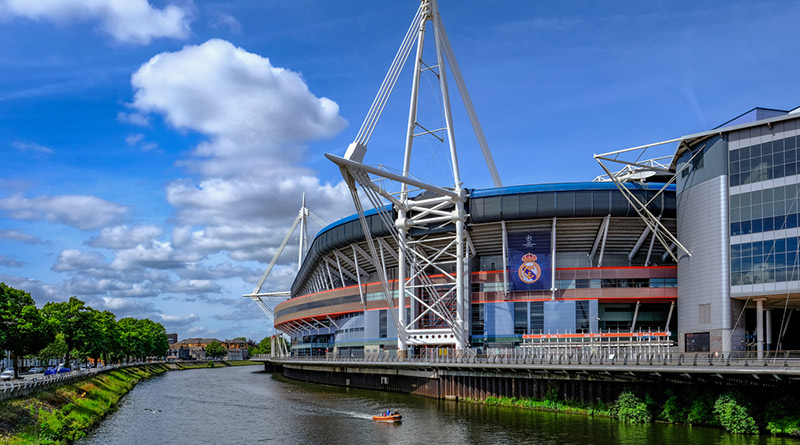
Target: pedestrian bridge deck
point(645, 365)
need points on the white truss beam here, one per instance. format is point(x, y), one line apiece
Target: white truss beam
point(637, 169)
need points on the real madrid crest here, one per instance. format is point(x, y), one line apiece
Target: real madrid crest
point(529, 272)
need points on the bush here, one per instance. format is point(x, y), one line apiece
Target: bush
point(734, 415)
point(783, 416)
point(674, 411)
point(701, 411)
point(630, 409)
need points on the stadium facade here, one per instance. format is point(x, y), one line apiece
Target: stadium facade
point(599, 270)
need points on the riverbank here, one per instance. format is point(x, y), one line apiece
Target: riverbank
point(180, 366)
point(65, 413)
point(739, 412)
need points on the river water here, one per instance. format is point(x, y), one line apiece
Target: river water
point(239, 405)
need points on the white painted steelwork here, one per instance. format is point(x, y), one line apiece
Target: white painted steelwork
point(257, 295)
point(432, 268)
point(641, 169)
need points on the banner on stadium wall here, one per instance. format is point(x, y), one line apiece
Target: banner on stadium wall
point(529, 260)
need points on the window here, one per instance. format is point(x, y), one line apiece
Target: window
point(477, 320)
point(382, 323)
point(582, 317)
point(698, 342)
point(520, 318)
point(537, 317)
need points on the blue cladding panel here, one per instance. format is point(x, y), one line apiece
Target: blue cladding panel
point(559, 316)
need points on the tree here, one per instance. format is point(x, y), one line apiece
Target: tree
point(56, 349)
point(264, 346)
point(103, 335)
point(156, 344)
point(132, 341)
point(24, 329)
point(215, 350)
point(73, 319)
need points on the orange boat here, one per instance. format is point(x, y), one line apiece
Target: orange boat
point(388, 417)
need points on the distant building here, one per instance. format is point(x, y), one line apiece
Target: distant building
point(195, 349)
point(172, 338)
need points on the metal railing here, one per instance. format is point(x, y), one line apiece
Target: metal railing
point(9, 388)
point(569, 356)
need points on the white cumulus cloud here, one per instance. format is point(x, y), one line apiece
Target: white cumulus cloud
point(83, 212)
point(127, 21)
point(72, 260)
point(244, 104)
point(124, 237)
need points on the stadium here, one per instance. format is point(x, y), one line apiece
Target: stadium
point(601, 272)
point(694, 250)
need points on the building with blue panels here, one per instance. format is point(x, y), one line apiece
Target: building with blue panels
point(604, 272)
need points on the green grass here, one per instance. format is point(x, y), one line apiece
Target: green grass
point(213, 364)
point(598, 409)
point(66, 413)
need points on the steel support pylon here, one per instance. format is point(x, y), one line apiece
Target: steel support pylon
point(263, 298)
point(433, 298)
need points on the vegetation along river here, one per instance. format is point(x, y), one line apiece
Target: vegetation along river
point(243, 405)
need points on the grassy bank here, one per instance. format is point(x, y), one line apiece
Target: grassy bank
point(65, 413)
point(211, 364)
point(572, 407)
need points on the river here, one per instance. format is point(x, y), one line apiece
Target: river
point(243, 405)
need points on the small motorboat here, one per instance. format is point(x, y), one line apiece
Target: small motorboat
point(388, 416)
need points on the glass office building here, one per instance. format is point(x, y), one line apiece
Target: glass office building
point(738, 187)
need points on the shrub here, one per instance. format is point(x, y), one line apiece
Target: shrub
point(734, 415)
point(701, 411)
point(783, 416)
point(674, 410)
point(630, 409)
point(552, 393)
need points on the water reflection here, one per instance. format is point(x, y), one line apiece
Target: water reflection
point(242, 405)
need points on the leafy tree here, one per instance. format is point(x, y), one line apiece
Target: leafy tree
point(132, 341)
point(73, 319)
point(264, 346)
point(252, 347)
point(141, 338)
point(23, 328)
point(156, 344)
point(102, 335)
point(215, 350)
point(56, 349)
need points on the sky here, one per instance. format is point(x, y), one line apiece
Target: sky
point(154, 154)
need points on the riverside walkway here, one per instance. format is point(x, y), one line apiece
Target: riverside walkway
point(645, 365)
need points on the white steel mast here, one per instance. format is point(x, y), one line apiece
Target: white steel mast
point(257, 295)
point(443, 207)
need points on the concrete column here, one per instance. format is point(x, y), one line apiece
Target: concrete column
point(768, 327)
point(760, 327)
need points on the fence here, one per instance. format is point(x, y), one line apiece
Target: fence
point(569, 356)
point(23, 387)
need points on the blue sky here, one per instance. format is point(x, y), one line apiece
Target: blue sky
point(154, 154)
